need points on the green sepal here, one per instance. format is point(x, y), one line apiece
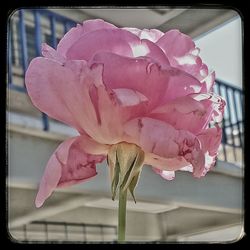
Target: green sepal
point(115, 180)
point(133, 185)
point(135, 169)
point(125, 162)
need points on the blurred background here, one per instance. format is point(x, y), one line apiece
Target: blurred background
point(186, 209)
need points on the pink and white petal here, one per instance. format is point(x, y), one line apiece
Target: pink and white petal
point(76, 32)
point(188, 168)
point(96, 24)
point(99, 107)
point(141, 74)
point(146, 48)
point(168, 164)
point(53, 172)
point(189, 63)
point(214, 104)
point(49, 180)
point(109, 126)
point(153, 136)
point(152, 35)
point(175, 44)
point(155, 53)
point(210, 141)
point(203, 71)
point(69, 39)
point(162, 139)
point(138, 74)
point(183, 113)
point(80, 166)
point(181, 84)
point(68, 165)
point(182, 53)
point(117, 41)
point(104, 110)
point(51, 53)
point(208, 82)
point(129, 97)
point(74, 94)
point(183, 104)
point(81, 163)
point(134, 31)
point(168, 175)
point(52, 88)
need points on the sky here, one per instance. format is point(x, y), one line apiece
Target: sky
point(221, 50)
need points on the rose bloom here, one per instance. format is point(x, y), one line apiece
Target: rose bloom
point(129, 85)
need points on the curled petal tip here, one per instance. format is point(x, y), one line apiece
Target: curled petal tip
point(38, 202)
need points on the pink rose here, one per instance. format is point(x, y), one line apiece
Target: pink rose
point(124, 84)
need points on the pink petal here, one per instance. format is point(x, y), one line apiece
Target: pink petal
point(152, 35)
point(134, 31)
point(181, 84)
point(51, 53)
point(175, 44)
point(162, 139)
point(117, 41)
point(109, 127)
point(69, 39)
point(76, 32)
point(188, 168)
point(142, 75)
point(96, 24)
point(214, 104)
point(53, 89)
point(182, 53)
point(74, 93)
point(210, 141)
point(129, 97)
point(69, 164)
point(49, 180)
point(90, 146)
point(155, 53)
point(168, 175)
point(167, 164)
point(183, 113)
point(184, 105)
point(190, 64)
point(208, 82)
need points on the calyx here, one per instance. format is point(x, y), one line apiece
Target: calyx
point(125, 162)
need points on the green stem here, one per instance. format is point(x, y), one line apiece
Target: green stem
point(122, 215)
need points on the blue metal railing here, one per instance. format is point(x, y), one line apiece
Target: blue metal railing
point(54, 19)
point(233, 120)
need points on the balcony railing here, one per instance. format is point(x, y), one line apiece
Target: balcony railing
point(43, 26)
point(29, 28)
point(65, 232)
point(233, 122)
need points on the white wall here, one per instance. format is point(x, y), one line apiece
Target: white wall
point(221, 49)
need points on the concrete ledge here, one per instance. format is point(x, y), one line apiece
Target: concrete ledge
point(37, 133)
point(227, 168)
point(32, 126)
